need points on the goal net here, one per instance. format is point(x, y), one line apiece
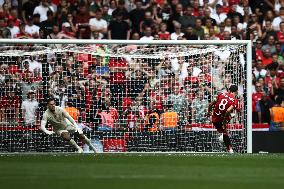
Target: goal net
point(127, 97)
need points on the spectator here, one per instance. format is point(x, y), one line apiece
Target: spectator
point(28, 9)
point(277, 20)
point(179, 104)
point(169, 119)
point(5, 32)
point(54, 33)
point(163, 33)
point(174, 18)
point(152, 120)
point(189, 34)
point(280, 35)
point(98, 25)
point(277, 115)
point(14, 30)
point(112, 6)
point(48, 24)
point(279, 92)
point(268, 31)
point(147, 34)
point(199, 106)
point(137, 85)
point(117, 81)
point(219, 16)
point(105, 14)
point(121, 8)
point(136, 16)
point(32, 29)
point(66, 32)
point(187, 19)
point(198, 29)
point(72, 111)
point(14, 16)
point(118, 28)
point(9, 107)
point(104, 119)
point(83, 17)
point(259, 71)
point(42, 10)
point(147, 22)
point(256, 97)
point(208, 25)
point(272, 80)
point(267, 58)
point(175, 35)
point(270, 45)
point(94, 6)
point(29, 109)
point(233, 12)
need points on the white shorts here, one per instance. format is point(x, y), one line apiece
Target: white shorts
point(69, 129)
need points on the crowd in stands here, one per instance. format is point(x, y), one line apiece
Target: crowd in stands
point(118, 88)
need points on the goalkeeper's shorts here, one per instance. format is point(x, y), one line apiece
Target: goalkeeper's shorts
point(69, 129)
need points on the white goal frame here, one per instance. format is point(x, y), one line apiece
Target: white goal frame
point(248, 44)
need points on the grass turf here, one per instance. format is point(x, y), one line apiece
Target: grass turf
point(135, 171)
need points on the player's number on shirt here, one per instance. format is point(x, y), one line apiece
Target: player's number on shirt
point(223, 104)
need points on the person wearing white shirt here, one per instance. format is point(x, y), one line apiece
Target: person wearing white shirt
point(98, 24)
point(29, 108)
point(218, 15)
point(13, 29)
point(34, 64)
point(241, 6)
point(42, 10)
point(259, 71)
point(175, 35)
point(32, 29)
point(147, 34)
point(278, 20)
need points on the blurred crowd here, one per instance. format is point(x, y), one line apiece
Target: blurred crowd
point(132, 93)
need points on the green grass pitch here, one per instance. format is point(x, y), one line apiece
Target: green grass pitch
point(135, 171)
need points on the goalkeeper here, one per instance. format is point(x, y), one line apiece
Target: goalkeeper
point(63, 124)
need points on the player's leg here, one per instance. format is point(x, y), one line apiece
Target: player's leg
point(224, 137)
point(66, 136)
point(227, 141)
point(86, 140)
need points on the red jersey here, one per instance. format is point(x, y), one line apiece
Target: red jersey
point(224, 101)
point(164, 36)
point(280, 35)
point(255, 98)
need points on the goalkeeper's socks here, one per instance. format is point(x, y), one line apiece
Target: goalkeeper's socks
point(227, 141)
point(73, 143)
point(89, 143)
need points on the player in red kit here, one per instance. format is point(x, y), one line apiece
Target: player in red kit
point(222, 107)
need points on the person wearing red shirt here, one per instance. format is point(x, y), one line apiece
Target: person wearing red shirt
point(117, 67)
point(9, 107)
point(280, 34)
point(256, 96)
point(223, 106)
point(267, 58)
point(164, 34)
point(258, 51)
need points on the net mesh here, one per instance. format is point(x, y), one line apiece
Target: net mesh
point(127, 98)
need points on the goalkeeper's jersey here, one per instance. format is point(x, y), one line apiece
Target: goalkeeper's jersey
point(58, 119)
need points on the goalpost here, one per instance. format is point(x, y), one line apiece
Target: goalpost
point(132, 79)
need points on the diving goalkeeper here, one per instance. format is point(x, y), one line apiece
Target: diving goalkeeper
point(63, 124)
